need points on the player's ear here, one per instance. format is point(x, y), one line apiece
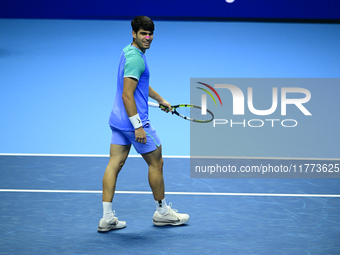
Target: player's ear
point(134, 34)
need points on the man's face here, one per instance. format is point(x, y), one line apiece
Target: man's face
point(142, 39)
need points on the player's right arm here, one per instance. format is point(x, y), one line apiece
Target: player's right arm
point(129, 88)
point(154, 95)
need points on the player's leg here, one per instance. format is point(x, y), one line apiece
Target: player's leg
point(155, 162)
point(118, 156)
point(152, 154)
point(164, 215)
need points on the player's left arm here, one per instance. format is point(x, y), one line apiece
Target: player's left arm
point(154, 95)
point(130, 106)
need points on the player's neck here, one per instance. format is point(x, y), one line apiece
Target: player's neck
point(135, 45)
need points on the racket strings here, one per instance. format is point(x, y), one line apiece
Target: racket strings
point(194, 113)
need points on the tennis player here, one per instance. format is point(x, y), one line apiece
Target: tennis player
point(130, 125)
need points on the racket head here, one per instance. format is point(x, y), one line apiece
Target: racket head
point(192, 113)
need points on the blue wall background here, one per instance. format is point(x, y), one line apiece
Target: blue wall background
point(302, 10)
point(57, 80)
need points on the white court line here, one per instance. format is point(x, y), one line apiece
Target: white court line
point(170, 193)
point(164, 156)
point(78, 155)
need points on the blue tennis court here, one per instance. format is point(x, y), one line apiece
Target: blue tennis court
point(52, 204)
point(57, 85)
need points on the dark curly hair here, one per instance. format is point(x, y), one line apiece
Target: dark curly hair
point(142, 22)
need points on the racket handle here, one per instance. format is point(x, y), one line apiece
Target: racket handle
point(158, 106)
point(153, 104)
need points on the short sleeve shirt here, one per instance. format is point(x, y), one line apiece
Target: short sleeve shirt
point(132, 64)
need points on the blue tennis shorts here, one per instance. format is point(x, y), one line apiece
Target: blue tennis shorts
point(128, 137)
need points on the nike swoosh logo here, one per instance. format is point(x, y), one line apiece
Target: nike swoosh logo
point(138, 120)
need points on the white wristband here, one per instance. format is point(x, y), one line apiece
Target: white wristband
point(136, 121)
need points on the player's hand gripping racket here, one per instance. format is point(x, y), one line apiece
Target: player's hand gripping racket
point(188, 112)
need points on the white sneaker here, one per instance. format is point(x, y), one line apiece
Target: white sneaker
point(172, 217)
point(113, 223)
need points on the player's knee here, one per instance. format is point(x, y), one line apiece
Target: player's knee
point(121, 164)
point(160, 164)
point(157, 165)
point(116, 165)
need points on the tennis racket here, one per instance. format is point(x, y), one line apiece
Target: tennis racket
point(188, 112)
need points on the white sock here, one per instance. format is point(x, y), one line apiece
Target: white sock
point(107, 211)
point(161, 207)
